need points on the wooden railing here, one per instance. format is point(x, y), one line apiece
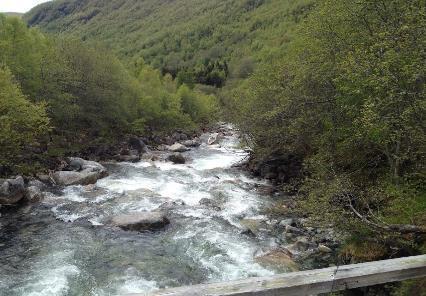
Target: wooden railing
point(311, 282)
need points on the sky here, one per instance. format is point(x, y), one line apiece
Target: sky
point(18, 5)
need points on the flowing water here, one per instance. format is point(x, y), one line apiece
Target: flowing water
point(64, 245)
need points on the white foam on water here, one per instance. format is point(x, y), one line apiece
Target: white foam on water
point(70, 194)
point(135, 283)
point(50, 277)
point(73, 193)
point(140, 164)
point(168, 166)
point(236, 260)
point(216, 161)
point(65, 216)
point(121, 185)
point(95, 222)
point(242, 202)
point(185, 192)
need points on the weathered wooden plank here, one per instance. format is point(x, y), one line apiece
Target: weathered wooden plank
point(311, 282)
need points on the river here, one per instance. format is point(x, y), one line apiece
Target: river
point(64, 245)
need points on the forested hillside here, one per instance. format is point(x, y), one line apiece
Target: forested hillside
point(203, 41)
point(60, 96)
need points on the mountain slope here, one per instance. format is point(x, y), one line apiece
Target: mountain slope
point(179, 35)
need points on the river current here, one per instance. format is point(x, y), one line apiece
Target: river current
point(64, 245)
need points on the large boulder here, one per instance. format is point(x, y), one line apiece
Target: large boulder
point(177, 147)
point(68, 178)
point(138, 144)
point(176, 158)
point(280, 259)
point(144, 221)
point(85, 173)
point(12, 191)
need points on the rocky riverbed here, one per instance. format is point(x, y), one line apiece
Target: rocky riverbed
point(178, 214)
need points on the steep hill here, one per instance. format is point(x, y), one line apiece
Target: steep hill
point(202, 37)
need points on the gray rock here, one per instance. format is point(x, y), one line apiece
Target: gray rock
point(145, 221)
point(33, 194)
point(138, 144)
point(180, 136)
point(36, 183)
point(76, 164)
point(89, 173)
point(253, 225)
point(67, 178)
point(294, 230)
point(176, 147)
point(176, 158)
point(191, 143)
point(286, 222)
point(248, 232)
point(44, 178)
point(302, 245)
point(150, 156)
point(92, 166)
point(12, 191)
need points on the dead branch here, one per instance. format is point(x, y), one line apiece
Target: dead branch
point(400, 228)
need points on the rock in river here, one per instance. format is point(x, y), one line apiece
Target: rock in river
point(88, 172)
point(12, 191)
point(176, 158)
point(144, 221)
point(176, 147)
point(33, 194)
point(191, 143)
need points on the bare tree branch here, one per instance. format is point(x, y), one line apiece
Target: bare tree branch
point(400, 228)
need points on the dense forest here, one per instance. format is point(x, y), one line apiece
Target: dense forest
point(197, 41)
point(60, 96)
point(333, 89)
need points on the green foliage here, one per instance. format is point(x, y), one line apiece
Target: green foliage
point(189, 39)
point(22, 123)
point(199, 106)
point(89, 96)
point(348, 98)
point(411, 287)
point(160, 106)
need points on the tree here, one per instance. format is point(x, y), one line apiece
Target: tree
point(22, 123)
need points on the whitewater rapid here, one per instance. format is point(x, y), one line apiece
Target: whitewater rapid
point(64, 246)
